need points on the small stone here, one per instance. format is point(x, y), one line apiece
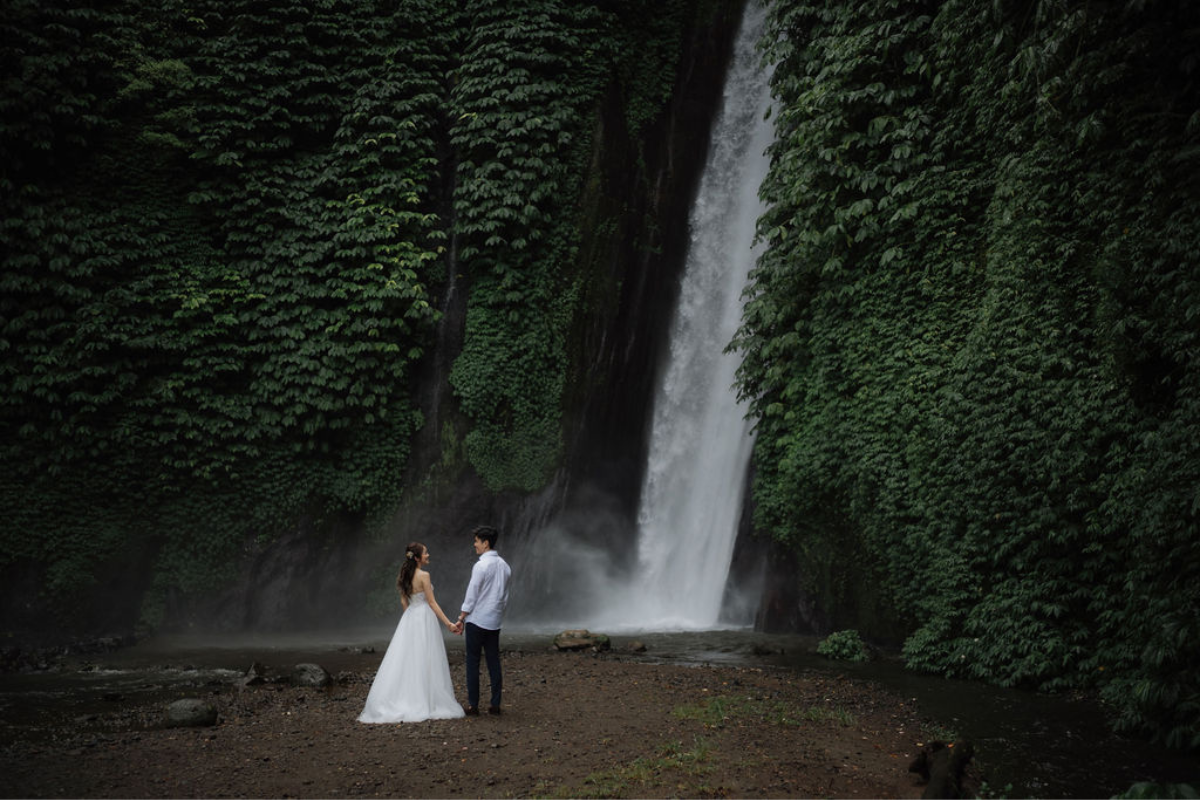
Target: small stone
point(255, 675)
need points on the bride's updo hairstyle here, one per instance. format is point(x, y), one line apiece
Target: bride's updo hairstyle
point(412, 558)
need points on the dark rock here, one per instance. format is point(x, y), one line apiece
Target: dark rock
point(254, 676)
point(310, 675)
point(10, 657)
point(190, 712)
point(636, 646)
point(942, 766)
point(582, 639)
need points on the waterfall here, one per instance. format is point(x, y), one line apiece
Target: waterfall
point(700, 439)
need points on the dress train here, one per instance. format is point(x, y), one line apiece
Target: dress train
point(413, 682)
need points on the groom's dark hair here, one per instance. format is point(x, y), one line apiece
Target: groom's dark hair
point(488, 534)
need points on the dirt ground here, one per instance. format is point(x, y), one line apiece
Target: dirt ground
point(574, 725)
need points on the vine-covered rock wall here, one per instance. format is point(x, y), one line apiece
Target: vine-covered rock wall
point(972, 343)
point(255, 253)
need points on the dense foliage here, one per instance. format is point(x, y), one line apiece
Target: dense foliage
point(216, 255)
point(972, 343)
point(524, 107)
point(527, 81)
point(844, 645)
point(227, 227)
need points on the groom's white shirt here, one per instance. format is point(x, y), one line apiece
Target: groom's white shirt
point(487, 593)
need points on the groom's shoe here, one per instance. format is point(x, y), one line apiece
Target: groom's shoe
point(493, 710)
point(471, 711)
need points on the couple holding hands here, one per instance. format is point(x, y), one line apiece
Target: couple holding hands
point(413, 682)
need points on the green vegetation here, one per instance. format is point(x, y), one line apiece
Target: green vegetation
point(219, 239)
point(520, 105)
point(228, 227)
point(843, 646)
point(986, 790)
point(971, 345)
point(632, 779)
point(934, 732)
point(523, 109)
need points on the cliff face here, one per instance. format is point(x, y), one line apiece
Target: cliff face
point(633, 220)
point(635, 245)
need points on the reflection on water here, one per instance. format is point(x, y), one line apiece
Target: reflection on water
point(1044, 746)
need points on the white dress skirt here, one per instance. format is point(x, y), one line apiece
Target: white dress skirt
point(413, 682)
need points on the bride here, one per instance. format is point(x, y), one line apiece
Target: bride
point(413, 681)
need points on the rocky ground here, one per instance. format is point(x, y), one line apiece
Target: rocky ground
point(574, 725)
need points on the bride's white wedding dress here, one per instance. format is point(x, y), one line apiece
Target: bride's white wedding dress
point(413, 681)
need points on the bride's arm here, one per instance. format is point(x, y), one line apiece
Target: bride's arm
point(433, 604)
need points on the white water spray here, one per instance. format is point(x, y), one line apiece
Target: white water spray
point(700, 439)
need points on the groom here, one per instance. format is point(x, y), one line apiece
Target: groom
point(482, 613)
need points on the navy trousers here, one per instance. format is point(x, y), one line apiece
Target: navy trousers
point(488, 642)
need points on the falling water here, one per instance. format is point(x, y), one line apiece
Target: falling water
point(700, 439)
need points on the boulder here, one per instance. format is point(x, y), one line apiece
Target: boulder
point(255, 675)
point(581, 639)
point(636, 646)
point(190, 712)
point(943, 766)
point(311, 675)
